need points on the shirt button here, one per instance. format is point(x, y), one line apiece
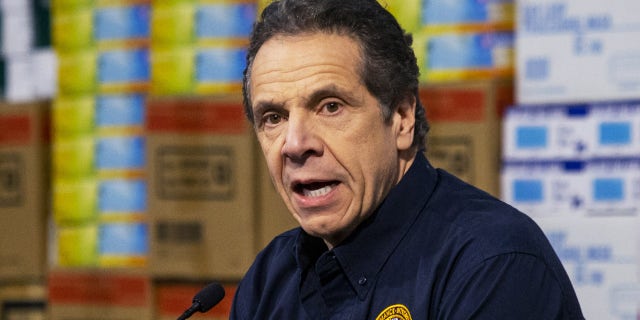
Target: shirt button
point(362, 281)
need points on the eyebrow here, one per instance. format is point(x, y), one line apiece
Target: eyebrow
point(317, 95)
point(263, 106)
point(330, 91)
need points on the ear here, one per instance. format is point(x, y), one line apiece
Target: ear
point(405, 116)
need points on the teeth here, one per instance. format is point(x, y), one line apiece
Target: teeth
point(318, 192)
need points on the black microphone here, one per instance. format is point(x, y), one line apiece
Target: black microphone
point(204, 300)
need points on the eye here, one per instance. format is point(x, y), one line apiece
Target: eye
point(331, 107)
point(272, 118)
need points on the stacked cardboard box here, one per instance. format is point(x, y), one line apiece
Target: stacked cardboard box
point(201, 163)
point(465, 119)
point(99, 191)
point(198, 46)
point(572, 145)
point(201, 189)
point(24, 192)
point(99, 294)
point(100, 226)
point(464, 40)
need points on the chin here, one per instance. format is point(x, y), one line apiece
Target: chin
point(315, 230)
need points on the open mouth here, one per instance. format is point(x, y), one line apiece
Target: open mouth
point(315, 189)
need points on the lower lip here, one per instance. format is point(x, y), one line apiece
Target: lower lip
point(307, 202)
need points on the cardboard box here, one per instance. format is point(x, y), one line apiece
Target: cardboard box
point(467, 12)
point(188, 22)
point(465, 120)
point(98, 294)
point(201, 188)
point(197, 70)
point(577, 51)
point(118, 70)
point(103, 25)
point(24, 190)
point(460, 53)
point(173, 298)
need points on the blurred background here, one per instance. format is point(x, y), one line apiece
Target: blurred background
point(129, 177)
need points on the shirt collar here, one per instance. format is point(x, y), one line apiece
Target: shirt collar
point(363, 254)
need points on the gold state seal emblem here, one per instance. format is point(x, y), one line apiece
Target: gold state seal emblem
point(394, 312)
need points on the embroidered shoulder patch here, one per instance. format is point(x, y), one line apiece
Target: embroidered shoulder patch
point(395, 312)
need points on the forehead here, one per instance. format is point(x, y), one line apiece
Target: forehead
point(286, 59)
point(312, 45)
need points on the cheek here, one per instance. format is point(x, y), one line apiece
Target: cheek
point(269, 146)
point(269, 153)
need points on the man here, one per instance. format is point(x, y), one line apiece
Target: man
point(332, 92)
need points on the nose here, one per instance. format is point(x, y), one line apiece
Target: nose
point(301, 140)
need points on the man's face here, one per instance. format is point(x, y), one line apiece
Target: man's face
point(331, 155)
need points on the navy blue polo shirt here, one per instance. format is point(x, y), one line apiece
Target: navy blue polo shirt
point(436, 248)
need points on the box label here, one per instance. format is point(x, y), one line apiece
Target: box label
point(225, 20)
point(99, 289)
point(195, 173)
point(462, 105)
point(11, 180)
point(454, 154)
point(15, 130)
point(195, 116)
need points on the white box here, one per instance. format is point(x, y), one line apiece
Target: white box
point(597, 187)
point(601, 256)
point(577, 50)
point(546, 132)
point(546, 188)
point(570, 132)
point(30, 76)
point(16, 28)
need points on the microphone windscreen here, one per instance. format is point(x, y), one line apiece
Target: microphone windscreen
point(209, 296)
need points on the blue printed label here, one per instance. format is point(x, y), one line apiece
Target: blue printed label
point(453, 12)
point(120, 153)
point(123, 66)
point(220, 65)
point(531, 137)
point(120, 110)
point(225, 20)
point(614, 133)
point(461, 51)
point(608, 189)
point(123, 239)
point(528, 190)
point(122, 23)
point(536, 68)
point(122, 196)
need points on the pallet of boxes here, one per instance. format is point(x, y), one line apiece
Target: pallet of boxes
point(571, 145)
